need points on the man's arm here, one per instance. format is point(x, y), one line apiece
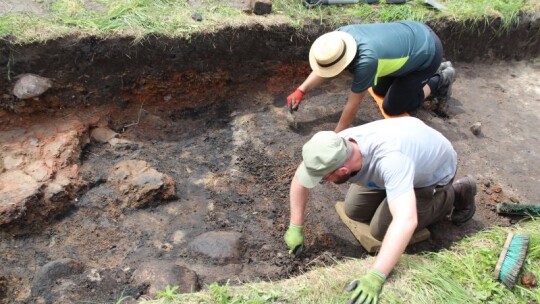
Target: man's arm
point(367, 288)
point(399, 233)
point(295, 98)
point(294, 237)
point(350, 110)
point(298, 196)
point(311, 82)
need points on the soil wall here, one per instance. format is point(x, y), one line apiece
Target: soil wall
point(241, 52)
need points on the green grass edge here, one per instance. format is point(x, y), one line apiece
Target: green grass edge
point(141, 18)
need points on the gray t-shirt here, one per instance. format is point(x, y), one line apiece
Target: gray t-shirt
point(400, 154)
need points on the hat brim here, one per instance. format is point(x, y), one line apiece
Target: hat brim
point(305, 179)
point(339, 66)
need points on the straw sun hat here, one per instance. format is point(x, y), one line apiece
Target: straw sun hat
point(331, 53)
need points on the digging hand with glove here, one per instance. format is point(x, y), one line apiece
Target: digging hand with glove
point(293, 100)
point(366, 290)
point(294, 238)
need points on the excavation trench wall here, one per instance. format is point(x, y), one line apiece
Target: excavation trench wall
point(238, 51)
point(168, 161)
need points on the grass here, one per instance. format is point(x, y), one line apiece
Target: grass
point(462, 274)
point(169, 294)
point(173, 18)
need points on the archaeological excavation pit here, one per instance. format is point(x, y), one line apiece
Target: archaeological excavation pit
point(168, 161)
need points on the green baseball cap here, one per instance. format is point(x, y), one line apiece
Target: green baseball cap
point(325, 152)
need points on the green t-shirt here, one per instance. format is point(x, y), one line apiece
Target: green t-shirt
point(388, 49)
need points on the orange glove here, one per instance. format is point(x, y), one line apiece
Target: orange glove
point(293, 100)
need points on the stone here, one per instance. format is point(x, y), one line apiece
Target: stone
point(31, 85)
point(47, 275)
point(38, 170)
point(12, 161)
point(39, 180)
point(141, 184)
point(476, 128)
point(158, 274)
point(197, 17)
point(179, 237)
point(119, 141)
point(102, 134)
point(64, 148)
point(261, 7)
point(218, 244)
point(17, 191)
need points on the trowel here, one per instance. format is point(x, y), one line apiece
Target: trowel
point(291, 118)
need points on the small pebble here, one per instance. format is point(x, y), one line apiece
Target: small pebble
point(476, 128)
point(197, 17)
point(529, 280)
point(166, 247)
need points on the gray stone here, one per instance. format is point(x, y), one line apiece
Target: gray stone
point(30, 85)
point(217, 244)
point(158, 274)
point(47, 275)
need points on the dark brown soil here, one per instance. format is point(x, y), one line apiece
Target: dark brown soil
point(209, 112)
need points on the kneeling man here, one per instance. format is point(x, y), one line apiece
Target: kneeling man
point(402, 179)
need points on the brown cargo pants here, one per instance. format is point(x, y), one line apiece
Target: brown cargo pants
point(370, 206)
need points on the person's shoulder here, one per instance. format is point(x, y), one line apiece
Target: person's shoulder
point(411, 22)
point(347, 28)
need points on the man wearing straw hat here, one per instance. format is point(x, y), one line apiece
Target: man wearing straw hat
point(400, 60)
point(402, 180)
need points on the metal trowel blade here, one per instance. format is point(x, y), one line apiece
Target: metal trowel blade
point(291, 120)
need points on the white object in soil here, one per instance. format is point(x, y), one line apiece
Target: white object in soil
point(31, 85)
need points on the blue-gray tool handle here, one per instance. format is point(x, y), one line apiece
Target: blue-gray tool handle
point(329, 2)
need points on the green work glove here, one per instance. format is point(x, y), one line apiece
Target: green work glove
point(294, 237)
point(366, 289)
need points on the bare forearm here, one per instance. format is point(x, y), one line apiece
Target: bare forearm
point(311, 82)
point(349, 111)
point(399, 233)
point(395, 241)
point(298, 201)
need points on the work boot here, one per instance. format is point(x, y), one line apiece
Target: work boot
point(448, 76)
point(464, 206)
point(444, 65)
